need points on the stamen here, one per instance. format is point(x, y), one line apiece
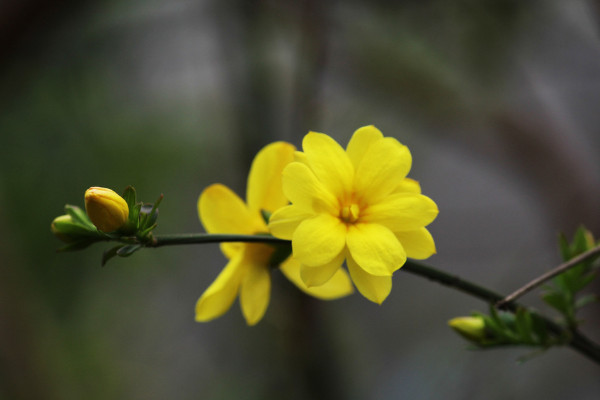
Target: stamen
point(350, 213)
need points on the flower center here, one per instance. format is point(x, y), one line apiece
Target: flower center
point(350, 213)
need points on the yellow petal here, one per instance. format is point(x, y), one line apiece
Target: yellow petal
point(300, 157)
point(329, 162)
point(418, 244)
point(375, 248)
point(318, 240)
point(382, 168)
point(408, 185)
point(338, 286)
point(285, 220)
point(231, 249)
point(255, 292)
point(374, 288)
point(317, 276)
point(222, 211)
point(219, 296)
point(305, 191)
point(402, 212)
point(264, 189)
point(360, 142)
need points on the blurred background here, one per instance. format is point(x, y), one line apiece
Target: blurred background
point(497, 100)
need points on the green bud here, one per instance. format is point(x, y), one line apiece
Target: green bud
point(64, 228)
point(471, 328)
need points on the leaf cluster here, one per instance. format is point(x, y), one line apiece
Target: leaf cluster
point(562, 293)
point(137, 231)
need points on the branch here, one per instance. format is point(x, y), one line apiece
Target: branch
point(578, 342)
point(548, 275)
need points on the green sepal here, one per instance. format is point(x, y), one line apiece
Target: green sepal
point(80, 217)
point(266, 215)
point(130, 197)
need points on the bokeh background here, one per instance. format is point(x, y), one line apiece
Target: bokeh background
point(497, 100)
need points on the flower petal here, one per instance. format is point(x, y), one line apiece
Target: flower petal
point(231, 249)
point(318, 240)
point(264, 191)
point(305, 191)
point(255, 292)
point(222, 211)
point(383, 167)
point(329, 162)
point(338, 286)
point(285, 220)
point(375, 249)
point(374, 288)
point(360, 142)
point(408, 185)
point(402, 212)
point(219, 296)
point(317, 276)
point(418, 244)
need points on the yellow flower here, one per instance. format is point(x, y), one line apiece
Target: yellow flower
point(106, 209)
point(248, 270)
point(355, 205)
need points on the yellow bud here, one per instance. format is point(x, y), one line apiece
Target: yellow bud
point(472, 328)
point(106, 209)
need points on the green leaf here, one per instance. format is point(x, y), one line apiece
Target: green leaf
point(580, 242)
point(587, 299)
point(524, 325)
point(127, 250)
point(110, 253)
point(565, 249)
point(557, 300)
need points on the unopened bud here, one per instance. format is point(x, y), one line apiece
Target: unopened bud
point(471, 328)
point(106, 209)
point(68, 231)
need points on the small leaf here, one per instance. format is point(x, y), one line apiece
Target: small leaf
point(110, 253)
point(557, 301)
point(587, 299)
point(563, 245)
point(127, 250)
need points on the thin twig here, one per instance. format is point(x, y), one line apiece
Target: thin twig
point(548, 275)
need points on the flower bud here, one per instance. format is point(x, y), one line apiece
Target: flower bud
point(106, 209)
point(471, 328)
point(64, 228)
